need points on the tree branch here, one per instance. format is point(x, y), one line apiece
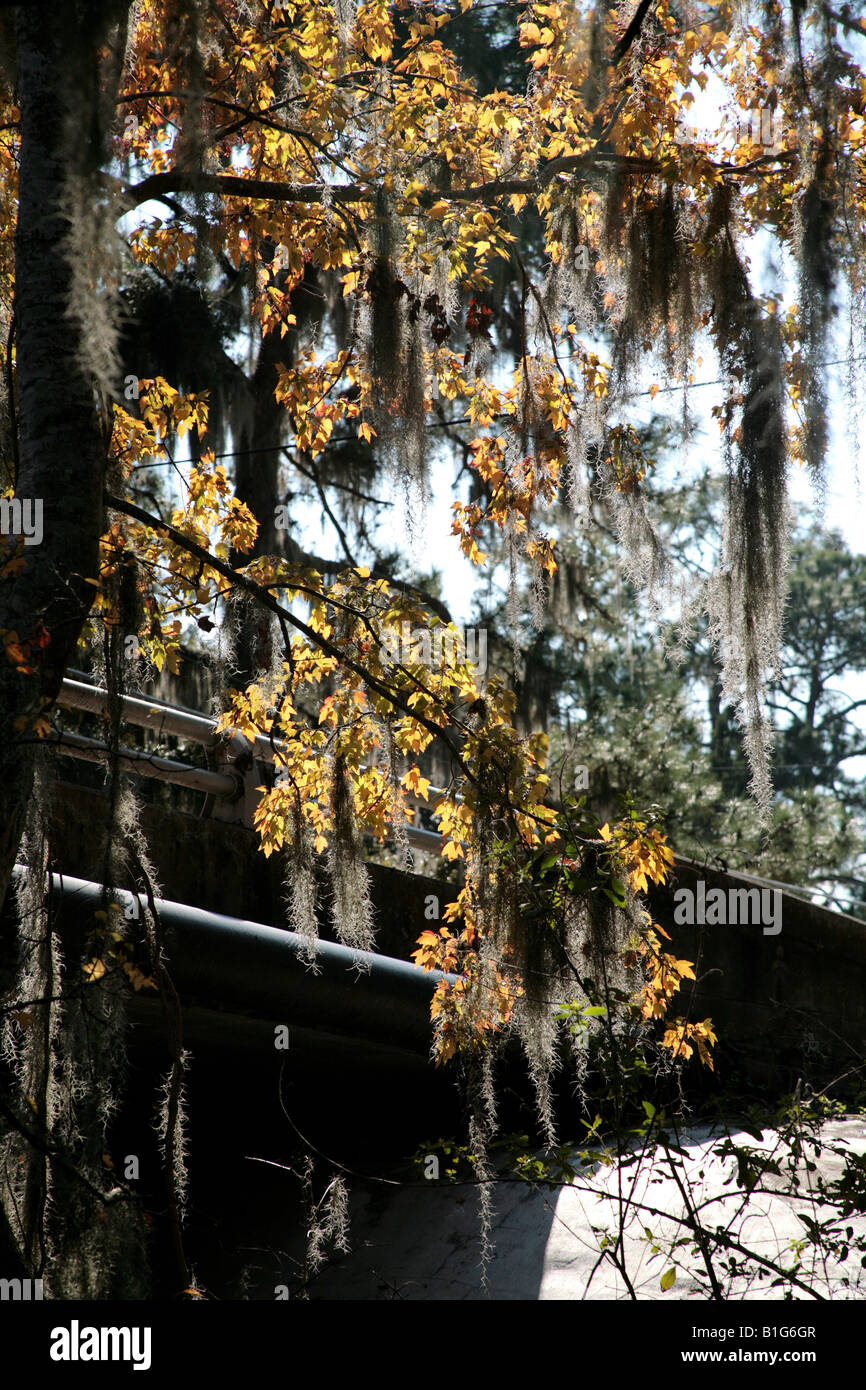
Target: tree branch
point(317, 562)
point(350, 559)
point(631, 32)
point(847, 24)
point(266, 599)
point(270, 190)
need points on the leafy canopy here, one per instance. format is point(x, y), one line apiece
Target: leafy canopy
point(298, 143)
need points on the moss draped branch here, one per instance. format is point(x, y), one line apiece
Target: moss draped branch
point(267, 600)
point(271, 190)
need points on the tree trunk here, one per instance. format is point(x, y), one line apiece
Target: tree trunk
point(257, 467)
point(256, 483)
point(61, 454)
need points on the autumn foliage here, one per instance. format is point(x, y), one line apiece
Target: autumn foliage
point(292, 142)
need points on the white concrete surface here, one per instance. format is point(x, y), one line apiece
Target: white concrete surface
point(423, 1242)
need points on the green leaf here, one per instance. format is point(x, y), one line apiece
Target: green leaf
point(667, 1280)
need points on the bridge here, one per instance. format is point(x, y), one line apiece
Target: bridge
point(354, 1080)
point(770, 992)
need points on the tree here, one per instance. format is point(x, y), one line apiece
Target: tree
point(45, 601)
point(297, 149)
point(655, 726)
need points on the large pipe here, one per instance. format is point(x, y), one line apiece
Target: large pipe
point(256, 970)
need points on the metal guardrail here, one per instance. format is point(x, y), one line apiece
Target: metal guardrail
point(227, 786)
point(233, 786)
point(161, 719)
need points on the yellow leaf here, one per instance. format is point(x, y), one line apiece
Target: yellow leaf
point(414, 782)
